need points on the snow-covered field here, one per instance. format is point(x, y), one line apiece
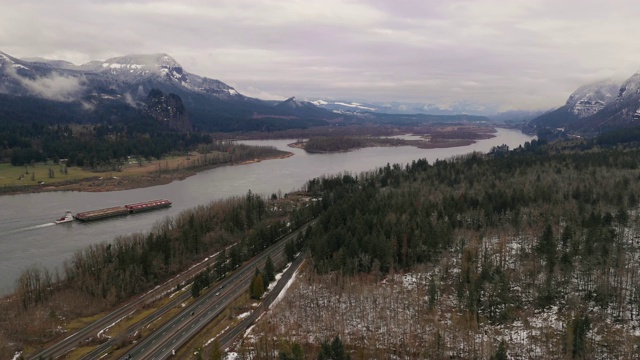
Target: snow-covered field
point(422, 314)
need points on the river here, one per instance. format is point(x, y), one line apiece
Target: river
point(29, 237)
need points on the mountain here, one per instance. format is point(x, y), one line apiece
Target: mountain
point(403, 108)
point(622, 112)
point(301, 108)
point(126, 82)
point(584, 103)
point(346, 107)
point(517, 117)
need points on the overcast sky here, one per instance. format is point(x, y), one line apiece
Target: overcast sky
point(511, 54)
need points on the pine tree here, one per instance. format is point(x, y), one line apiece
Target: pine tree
point(269, 270)
point(290, 250)
point(333, 351)
point(501, 354)
point(256, 288)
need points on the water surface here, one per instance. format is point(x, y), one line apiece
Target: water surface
point(28, 235)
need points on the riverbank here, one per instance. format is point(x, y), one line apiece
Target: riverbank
point(136, 176)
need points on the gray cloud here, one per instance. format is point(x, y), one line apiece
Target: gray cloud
point(52, 87)
point(512, 54)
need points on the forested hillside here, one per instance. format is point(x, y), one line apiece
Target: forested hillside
point(532, 253)
point(30, 131)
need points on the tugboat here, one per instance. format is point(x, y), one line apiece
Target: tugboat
point(68, 217)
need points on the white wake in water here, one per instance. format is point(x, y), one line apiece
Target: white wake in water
point(34, 227)
point(39, 226)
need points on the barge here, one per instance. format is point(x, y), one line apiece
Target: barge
point(122, 210)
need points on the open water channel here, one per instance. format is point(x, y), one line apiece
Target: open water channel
point(29, 237)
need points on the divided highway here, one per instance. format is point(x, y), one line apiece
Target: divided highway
point(182, 327)
point(236, 281)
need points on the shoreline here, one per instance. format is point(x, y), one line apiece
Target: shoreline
point(129, 182)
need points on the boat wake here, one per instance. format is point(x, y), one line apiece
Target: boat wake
point(40, 226)
point(34, 227)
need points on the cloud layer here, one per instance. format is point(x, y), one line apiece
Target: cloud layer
point(517, 54)
point(52, 87)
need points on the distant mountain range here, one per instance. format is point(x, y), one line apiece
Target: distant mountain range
point(405, 108)
point(54, 91)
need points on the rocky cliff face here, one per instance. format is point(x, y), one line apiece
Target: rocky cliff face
point(590, 99)
point(582, 106)
point(168, 109)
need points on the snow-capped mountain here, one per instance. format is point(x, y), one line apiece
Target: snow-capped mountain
point(300, 108)
point(345, 106)
point(396, 107)
point(212, 104)
point(134, 68)
point(589, 99)
point(597, 108)
point(585, 102)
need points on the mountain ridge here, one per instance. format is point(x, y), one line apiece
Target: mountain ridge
point(595, 108)
point(212, 104)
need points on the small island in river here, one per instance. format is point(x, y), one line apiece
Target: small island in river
point(424, 137)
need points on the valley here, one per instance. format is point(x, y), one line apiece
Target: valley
point(468, 239)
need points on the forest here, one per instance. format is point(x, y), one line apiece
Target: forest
point(91, 145)
point(530, 253)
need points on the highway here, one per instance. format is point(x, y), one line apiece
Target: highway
point(90, 331)
point(227, 339)
point(193, 318)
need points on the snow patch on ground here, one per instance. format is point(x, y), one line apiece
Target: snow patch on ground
point(231, 356)
point(284, 290)
point(243, 315)
point(101, 332)
point(210, 341)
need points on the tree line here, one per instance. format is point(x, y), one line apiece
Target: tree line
point(506, 235)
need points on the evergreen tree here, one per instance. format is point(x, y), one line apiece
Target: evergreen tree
point(235, 257)
point(290, 250)
point(333, 351)
point(257, 288)
point(501, 353)
point(196, 287)
point(580, 326)
point(269, 271)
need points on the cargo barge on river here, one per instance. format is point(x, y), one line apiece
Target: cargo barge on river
point(122, 210)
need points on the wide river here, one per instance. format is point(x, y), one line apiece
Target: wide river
point(29, 237)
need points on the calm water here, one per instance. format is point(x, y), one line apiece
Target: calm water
point(28, 235)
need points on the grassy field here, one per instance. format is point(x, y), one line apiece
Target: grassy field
point(134, 174)
point(39, 172)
